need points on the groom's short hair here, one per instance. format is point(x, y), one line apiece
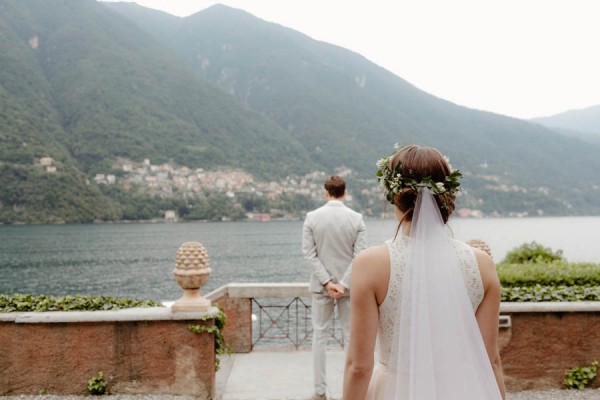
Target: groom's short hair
point(335, 186)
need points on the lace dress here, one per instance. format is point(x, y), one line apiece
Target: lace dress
point(388, 309)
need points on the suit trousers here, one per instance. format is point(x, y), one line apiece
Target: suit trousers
point(322, 315)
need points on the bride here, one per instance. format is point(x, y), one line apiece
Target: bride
point(429, 302)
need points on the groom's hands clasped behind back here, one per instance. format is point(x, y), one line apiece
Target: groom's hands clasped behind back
point(335, 290)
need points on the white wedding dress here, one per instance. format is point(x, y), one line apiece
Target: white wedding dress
point(429, 346)
point(389, 308)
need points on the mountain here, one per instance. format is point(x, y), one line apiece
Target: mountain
point(583, 124)
point(347, 111)
point(584, 120)
point(84, 86)
point(87, 88)
point(588, 137)
point(31, 128)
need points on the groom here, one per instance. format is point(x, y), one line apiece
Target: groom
point(332, 236)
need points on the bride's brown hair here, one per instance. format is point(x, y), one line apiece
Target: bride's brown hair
point(421, 162)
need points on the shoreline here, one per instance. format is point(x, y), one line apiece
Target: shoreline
point(206, 221)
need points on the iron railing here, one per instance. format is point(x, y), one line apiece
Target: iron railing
point(285, 321)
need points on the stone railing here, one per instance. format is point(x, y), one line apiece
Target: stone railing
point(547, 339)
point(139, 350)
point(538, 341)
point(152, 350)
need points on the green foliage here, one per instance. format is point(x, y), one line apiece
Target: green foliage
point(97, 385)
point(532, 253)
point(221, 346)
point(274, 103)
point(41, 303)
point(538, 293)
point(31, 195)
point(69, 99)
point(347, 111)
point(214, 206)
point(554, 273)
point(553, 281)
point(146, 104)
point(580, 377)
point(139, 206)
point(393, 180)
point(295, 202)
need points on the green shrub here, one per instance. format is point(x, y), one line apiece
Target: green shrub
point(532, 253)
point(580, 377)
point(97, 386)
point(553, 281)
point(539, 293)
point(558, 273)
point(27, 302)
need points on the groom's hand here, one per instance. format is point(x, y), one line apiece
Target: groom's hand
point(335, 290)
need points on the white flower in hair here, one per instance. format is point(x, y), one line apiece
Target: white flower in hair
point(392, 181)
point(382, 162)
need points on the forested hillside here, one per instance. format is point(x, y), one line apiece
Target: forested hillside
point(84, 86)
point(111, 111)
point(584, 120)
point(582, 124)
point(348, 111)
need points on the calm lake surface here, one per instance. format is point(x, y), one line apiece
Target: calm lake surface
point(137, 260)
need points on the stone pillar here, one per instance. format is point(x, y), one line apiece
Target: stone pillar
point(238, 330)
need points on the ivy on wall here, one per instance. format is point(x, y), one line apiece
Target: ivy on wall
point(221, 346)
point(41, 303)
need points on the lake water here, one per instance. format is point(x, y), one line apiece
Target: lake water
point(137, 260)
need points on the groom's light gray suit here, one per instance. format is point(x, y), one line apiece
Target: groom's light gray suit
point(332, 236)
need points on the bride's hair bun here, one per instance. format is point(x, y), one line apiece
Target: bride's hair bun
point(422, 162)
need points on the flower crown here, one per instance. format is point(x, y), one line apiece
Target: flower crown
point(393, 181)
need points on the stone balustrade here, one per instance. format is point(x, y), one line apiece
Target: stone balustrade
point(152, 350)
point(139, 350)
point(538, 341)
point(547, 339)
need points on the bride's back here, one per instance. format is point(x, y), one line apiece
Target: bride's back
point(388, 308)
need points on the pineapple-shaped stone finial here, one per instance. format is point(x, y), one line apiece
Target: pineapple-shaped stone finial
point(191, 273)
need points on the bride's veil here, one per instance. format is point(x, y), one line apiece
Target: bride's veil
point(438, 352)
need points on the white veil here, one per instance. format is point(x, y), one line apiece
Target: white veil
point(438, 352)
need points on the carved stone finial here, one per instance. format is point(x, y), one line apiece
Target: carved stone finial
point(481, 245)
point(191, 273)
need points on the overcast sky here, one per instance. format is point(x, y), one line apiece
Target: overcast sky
point(523, 58)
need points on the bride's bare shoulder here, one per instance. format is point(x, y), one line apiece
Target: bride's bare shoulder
point(374, 255)
point(487, 269)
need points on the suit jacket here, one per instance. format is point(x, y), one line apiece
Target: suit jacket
point(332, 236)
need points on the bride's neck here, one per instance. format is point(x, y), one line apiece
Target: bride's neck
point(405, 228)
